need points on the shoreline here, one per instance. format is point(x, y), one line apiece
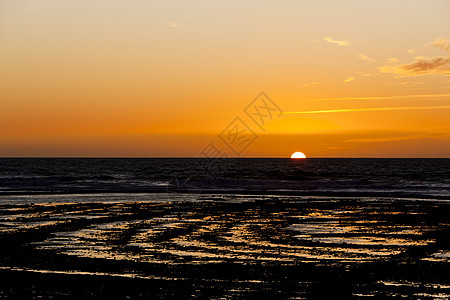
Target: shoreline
point(268, 193)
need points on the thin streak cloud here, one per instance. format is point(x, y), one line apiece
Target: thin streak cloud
point(310, 84)
point(421, 66)
point(384, 97)
point(351, 78)
point(399, 138)
point(367, 109)
point(442, 43)
point(365, 57)
point(337, 42)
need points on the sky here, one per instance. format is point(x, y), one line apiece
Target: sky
point(257, 78)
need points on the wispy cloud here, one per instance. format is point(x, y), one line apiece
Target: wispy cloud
point(365, 57)
point(411, 136)
point(442, 43)
point(368, 109)
point(333, 41)
point(310, 84)
point(368, 74)
point(421, 66)
point(404, 83)
point(394, 60)
point(411, 51)
point(172, 25)
point(385, 97)
point(351, 78)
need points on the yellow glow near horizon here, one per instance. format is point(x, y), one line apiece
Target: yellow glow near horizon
point(164, 78)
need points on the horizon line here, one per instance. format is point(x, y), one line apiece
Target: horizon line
point(197, 157)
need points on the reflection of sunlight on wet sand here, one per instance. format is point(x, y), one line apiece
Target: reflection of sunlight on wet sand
point(73, 272)
point(213, 232)
point(371, 241)
point(437, 291)
point(207, 233)
point(240, 242)
point(441, 256)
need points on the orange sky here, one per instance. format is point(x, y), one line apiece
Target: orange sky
point(165, 78)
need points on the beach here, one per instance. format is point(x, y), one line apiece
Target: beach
point(224, 229)
point(223, 246)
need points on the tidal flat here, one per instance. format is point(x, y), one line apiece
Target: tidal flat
point(226, 247)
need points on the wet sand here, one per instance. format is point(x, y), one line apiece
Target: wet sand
point(225, 247)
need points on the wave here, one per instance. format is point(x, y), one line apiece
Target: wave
point(399, 177)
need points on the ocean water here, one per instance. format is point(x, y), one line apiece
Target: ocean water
point(313, 176)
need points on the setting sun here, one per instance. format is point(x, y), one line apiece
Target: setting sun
point(298, 155)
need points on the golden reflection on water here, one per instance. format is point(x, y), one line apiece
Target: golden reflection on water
point(212, 232)
point(315, 236)
point(244, 232)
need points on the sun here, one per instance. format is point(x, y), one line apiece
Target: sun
point(298, 155)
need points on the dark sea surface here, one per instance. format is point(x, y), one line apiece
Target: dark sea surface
point(224, 229)
point(398, 177)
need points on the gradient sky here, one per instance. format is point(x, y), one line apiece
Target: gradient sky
point(354, 78)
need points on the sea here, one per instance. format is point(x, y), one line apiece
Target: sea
point(408, 178)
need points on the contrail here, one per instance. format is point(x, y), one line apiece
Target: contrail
point(381, 98)
point(366, 109)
